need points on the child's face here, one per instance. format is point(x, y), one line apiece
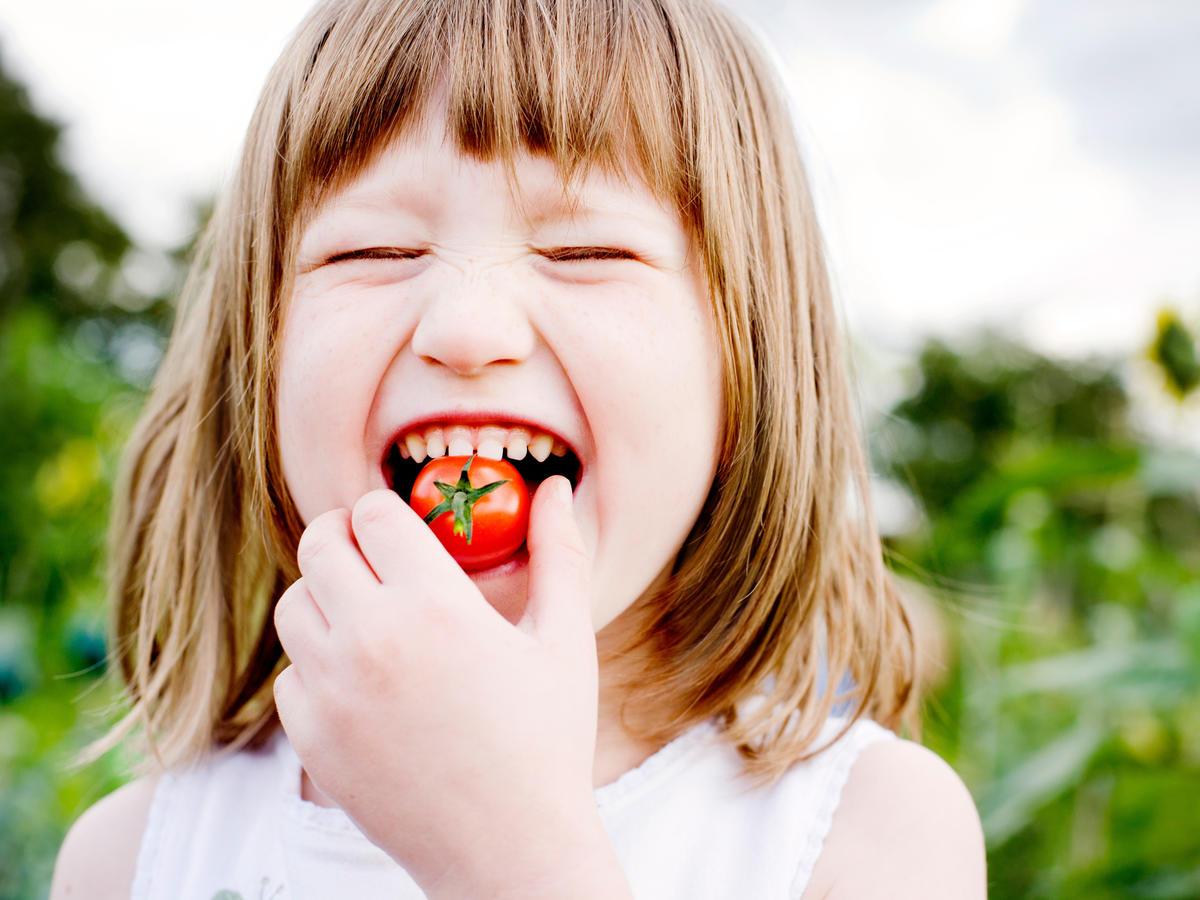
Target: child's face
point(616, 357)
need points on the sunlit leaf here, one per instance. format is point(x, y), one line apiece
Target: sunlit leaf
point(1011, 802)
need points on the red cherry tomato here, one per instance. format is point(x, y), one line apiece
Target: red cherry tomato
point(482, 508)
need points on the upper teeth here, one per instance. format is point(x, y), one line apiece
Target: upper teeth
point(488, 441)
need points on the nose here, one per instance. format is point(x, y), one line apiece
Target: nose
point(473, 327)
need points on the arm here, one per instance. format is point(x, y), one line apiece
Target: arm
point(906, 827)
point(98, 857)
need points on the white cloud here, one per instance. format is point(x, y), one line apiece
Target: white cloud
point(976, 28)
point(155, 96)
point(960, 188)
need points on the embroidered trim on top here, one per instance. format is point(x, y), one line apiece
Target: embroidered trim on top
point(653, 768)
point(608, 797)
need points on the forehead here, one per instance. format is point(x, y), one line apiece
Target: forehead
point(422, 172)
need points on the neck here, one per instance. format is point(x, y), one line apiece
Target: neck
point(617, 750)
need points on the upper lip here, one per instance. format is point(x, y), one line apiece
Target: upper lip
point(477, 417)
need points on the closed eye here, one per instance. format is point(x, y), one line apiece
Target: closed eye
point(555, 254)
point(571, 254)
point(373, 253)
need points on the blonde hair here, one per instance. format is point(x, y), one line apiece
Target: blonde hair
point(782, 573)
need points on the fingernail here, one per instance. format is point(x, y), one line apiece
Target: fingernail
point(564, 493)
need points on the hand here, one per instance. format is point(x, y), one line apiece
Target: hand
point(460, 744)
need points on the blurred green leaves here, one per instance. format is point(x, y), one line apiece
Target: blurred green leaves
point(78, 341)
point(1062, 546)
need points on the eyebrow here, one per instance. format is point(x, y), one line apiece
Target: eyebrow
point(395, 197)
point(551, 206)
point(543, 205)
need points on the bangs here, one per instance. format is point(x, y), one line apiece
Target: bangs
point(581, 84)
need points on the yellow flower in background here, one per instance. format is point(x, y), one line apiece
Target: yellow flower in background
point(66, 479)
point(1174, 350)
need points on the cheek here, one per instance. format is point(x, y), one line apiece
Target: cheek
point(672, 390)
point(648, 377)
point(324, 401)
point(645, 359)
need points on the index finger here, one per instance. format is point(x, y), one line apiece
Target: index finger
point(332, 565)
point(398, 545)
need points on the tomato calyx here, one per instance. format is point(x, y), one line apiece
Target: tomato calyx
point(460, 499)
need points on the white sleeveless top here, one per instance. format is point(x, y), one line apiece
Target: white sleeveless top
point(682, 824)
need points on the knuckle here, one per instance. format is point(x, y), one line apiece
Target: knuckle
point(373, 508)
point(440, 618)
point(372, 668)
point(312, 544)
point(574, 553)
point(320, 534)
point(286, 599)
point(283, 684)
point(373, 654)
point(360, 641)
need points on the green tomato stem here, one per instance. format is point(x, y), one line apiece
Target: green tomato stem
point(460, 500)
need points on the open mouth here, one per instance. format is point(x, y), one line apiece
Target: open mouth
point(401, 469)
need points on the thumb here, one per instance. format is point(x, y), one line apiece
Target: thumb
point(559, 605)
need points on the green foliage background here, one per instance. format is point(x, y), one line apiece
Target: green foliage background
point(1057, 545)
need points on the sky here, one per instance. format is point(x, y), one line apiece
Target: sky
point(1032, 166)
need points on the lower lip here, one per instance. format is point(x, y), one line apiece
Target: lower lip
point(514, 563)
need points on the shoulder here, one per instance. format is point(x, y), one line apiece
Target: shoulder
point(98, 857)
point(906, 811)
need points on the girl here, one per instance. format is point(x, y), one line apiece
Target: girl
point(579, 237)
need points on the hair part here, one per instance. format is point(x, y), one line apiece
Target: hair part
point(783, 568)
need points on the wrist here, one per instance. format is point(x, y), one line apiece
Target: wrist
point(573, 863)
